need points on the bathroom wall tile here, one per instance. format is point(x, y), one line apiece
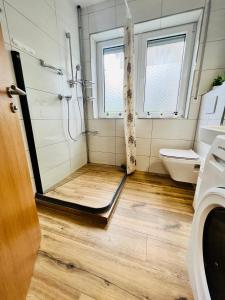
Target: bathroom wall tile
point(143, 147)
point(216, 25)
point(102, 158)
point(156, 166)
point(120, 159)
point(158, 144)
point(142, 163)
point(37, 77)
point(194, 108)
point(65, 10)
point(102, 144)
point(44, 16)
point(170, 7)
point(44, 105)
point(206, 80)
point(102, 20)
point(120, 145)
point(120, 127)
point(144, 128)
point(28, 34)
point(101, 6)
point(217, 4)
point(51, 156)
point(55, 175)
point(174, 129)
point(4, 23)
point(48, 132)
point(141, 11)
point(214, 57)
point(104, 127)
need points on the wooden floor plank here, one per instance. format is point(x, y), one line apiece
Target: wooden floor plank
point(91, 185)
point(140, 254)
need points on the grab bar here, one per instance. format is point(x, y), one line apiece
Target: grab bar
point(43, 64)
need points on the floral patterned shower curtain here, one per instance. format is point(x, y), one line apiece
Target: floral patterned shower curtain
point(129, 101)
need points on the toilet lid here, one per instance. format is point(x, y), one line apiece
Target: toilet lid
point(179, 153)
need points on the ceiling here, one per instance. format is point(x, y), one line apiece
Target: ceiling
point(84, 3)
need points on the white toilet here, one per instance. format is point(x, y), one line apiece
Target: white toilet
point(182, 165)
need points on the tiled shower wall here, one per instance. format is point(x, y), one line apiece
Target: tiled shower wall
point(41, 26)
point(108, 146)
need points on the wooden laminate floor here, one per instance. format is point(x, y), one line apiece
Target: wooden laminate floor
point(141, 254)
point(93, 185)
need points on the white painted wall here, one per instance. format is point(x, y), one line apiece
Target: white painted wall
point(41, 26)
point(108, 146)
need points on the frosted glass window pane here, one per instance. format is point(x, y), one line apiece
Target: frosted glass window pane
point(113, 78)
point(163, 74)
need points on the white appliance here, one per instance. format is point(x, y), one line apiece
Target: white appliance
point(206, 257)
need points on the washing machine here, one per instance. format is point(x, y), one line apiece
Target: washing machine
point(206, 255)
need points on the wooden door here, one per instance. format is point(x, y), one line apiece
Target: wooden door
point(19, 227)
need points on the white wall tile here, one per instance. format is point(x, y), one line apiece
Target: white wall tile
point(174, 129)
point(216, 25)
point(143, 147)
point(142, 163)
point(4, 23)
point(55, 175)
point(104, 127)
point(120, 127)
point(102, 144)
point(218, 4)
point(48, 132)
point(144, 128)
point(44, 16)
point(156, 166)
point(31, 36)
point(102, 20)
point(174, 6)
point(120, 159)
point(51, 156)
point(120, 145)
point(214, 57)
point(101, 6)
point(102, 158)
point(158, 144)
point(37, 77)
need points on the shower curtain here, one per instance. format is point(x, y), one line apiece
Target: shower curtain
point(129, 102)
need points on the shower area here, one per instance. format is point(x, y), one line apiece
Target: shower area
point(54, 112)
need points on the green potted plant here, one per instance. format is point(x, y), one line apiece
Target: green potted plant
point(219, 80)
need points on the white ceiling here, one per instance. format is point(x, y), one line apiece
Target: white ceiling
point(84, 3)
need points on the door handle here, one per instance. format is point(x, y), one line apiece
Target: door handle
point(14, 90)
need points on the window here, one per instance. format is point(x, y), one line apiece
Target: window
point(110, 70)
point(164, 66)
point(113, 63)
point(163, 73)
point(164, 60)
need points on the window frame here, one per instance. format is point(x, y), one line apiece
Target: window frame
point(190, 31)
point(100, 76)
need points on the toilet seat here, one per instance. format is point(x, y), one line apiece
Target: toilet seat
point(179, 154)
